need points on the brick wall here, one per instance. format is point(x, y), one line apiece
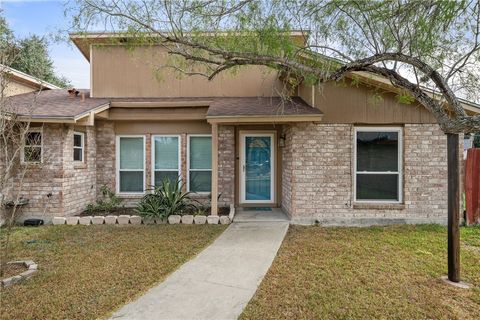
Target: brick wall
point(226, 165)
point(318, 169)
point(287, 170)
point(105, 140)
point(72, 186)
point(80, 181)
point(40, 180)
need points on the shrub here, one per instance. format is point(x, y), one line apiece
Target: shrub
point(109, 202)
point(166, 199)
point(151, 206)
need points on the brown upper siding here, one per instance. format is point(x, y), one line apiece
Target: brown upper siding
point(119, 72)
point(346, 103)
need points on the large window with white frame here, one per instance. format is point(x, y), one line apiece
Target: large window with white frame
point(32, 151)
point(130, 164)
point(165, 158)
point(78, 146)
point(199, 163)
point(378, 164)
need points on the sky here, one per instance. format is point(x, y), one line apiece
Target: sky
point(45, 18)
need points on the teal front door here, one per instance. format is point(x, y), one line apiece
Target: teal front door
point(257, 183)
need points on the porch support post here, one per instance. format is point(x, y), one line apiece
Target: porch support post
point(214, 195)
point(453, 208)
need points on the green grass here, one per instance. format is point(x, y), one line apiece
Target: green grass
point(86, 272)
point(368, 273)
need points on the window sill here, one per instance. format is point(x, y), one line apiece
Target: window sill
point(130, 195)
point(79, 165)
point(379, 206)
point(32, 165)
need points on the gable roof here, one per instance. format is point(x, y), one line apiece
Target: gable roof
point(22, 77)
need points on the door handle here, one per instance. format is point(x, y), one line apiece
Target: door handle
point(243, 168)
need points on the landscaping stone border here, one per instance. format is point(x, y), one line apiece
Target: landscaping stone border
point(137, 220)
point(31, 266)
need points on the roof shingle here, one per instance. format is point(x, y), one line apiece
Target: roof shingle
point(53, 104)
point(260, 106)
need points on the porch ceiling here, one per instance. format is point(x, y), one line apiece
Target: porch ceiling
point(261, 110)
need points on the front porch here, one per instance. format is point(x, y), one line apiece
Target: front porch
point(248, 142)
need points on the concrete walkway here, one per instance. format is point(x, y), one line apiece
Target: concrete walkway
point(219, 282)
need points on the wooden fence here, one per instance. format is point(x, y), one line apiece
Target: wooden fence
point(472, 186)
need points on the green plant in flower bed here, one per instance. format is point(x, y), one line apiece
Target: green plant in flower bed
point(201, 211)
point(109, 202)
point(165, 200)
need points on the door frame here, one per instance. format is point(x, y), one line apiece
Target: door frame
point(273, 168)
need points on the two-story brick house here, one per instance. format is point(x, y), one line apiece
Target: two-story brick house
point(329, 154)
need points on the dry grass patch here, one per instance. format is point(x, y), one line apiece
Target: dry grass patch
point(86, 272)
point(367, 273)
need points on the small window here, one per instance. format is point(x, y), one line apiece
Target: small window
point(78, 146)
point(166, 158)
point(200, 163)
point(32, 150)
point(130, 164)
point(378, 164)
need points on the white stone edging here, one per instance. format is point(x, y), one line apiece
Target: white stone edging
point(137, 220)
point(31, 266)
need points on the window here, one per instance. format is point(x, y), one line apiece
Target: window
point(130, 164)
point(166, 158)
point(378, 164)
point(32, 150)
point(199, 163)
point(78, 146)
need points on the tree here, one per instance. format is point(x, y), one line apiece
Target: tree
point(429, 49)
point(13, 132)
point(29, 55)
point(33, 58)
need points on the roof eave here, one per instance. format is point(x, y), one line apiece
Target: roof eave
point(265, 118)
point(29, 79)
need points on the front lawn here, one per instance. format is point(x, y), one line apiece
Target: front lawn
point(86, 272)
point(368, 273)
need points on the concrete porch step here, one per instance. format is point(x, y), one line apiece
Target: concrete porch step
point(246, 215)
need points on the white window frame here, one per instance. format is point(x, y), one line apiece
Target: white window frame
point(82, 147)
point(188, 163)
point(22, 154)
point(117, 163)
point(179, 170)
point(399, 130)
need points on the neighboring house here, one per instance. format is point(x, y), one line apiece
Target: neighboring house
point(17, 82)
point(332, 154)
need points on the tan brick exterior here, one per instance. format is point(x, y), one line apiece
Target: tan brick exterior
point(40, 180)
point(79, 179)
point(226, 165)
point(105, 134)
point(318, 171)
point(71, 185)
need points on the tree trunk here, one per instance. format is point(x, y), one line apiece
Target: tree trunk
point(453, 208)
